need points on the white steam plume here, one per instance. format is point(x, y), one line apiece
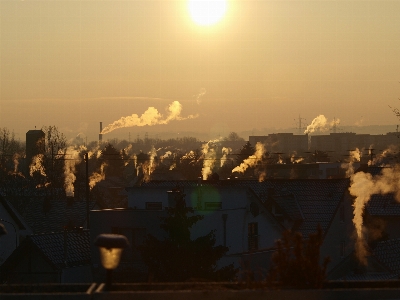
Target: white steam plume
point(225, 152)
point(355, 156)
point(321, 124)
point(37, 165)
point(97, 177)
point(198, 96)
point(149, 166)
point(363, 186)
point(209, 157)
point(252, 160)
point(72, 157)
point(150, 117)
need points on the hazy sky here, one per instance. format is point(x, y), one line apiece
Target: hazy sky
point(75, 63)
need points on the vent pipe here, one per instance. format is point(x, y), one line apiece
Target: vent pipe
point(100, 134)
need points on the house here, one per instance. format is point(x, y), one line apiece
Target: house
point(62, 257)
point(247, 216)
point(16, 227)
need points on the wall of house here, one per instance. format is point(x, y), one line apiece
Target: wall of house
point(339, 242)
point(80, 274)
point(31, 267)
point(11, 240)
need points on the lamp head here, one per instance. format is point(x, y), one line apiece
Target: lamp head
point(111, 246)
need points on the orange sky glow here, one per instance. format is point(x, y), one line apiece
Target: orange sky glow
point(75, 63)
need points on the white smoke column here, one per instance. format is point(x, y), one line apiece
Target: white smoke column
point(318, 123)
point(363, 186)
point(225, 152)
point(152, 155)
point(262, 176)
point(97, 177)
point(201, 93)
point(387, 153)
point(209, 157)
point(294, 159)
point(37, 165)
point(15, 158)
point(150, 117)
point(252, 160)
point(355, 156)
point(72, 157)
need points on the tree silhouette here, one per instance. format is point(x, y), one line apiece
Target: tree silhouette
point(233, 137)
point(178, 257)
point(296, 262)
point(114, 160)
point(245, 152)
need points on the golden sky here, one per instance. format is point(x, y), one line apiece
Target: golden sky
point(74, 63)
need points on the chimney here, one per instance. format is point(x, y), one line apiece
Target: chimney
point(100, 134)
point(70, 200)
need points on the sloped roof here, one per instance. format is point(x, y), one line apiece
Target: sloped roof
point(373, 276)
point(388, 253)
point(318, 199)
point(58, 215)
point(383, 205)
point(76, 253)
point(290, 205)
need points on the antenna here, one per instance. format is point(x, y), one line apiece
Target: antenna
point(335, 125)
point(300, 128)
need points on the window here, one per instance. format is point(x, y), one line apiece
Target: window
point(212, 205)
point(252, 235)
point(154, 205)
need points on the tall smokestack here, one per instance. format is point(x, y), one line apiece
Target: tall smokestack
point(100, 134)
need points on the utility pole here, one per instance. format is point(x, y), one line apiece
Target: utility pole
point(87, 190)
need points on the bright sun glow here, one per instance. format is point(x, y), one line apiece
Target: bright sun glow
point(207, 12)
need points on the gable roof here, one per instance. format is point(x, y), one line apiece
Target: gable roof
point(388, 253)
point(64, 249)
point(44, 215)
point(383, 205)
point(13, 213)
point(317, 199)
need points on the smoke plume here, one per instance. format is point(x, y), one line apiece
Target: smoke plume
point(198, 96)
point(320, 124)
point(363, 186)
point(97, 177)
point(252, 160)
point(355, 156)
point(209, 157)
point(37, 165)
point(150, 117)
point(72, 158)
point(225, 153)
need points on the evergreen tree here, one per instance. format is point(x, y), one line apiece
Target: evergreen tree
point(178, 257)
point(245, 152)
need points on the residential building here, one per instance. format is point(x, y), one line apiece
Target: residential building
point(62, 257)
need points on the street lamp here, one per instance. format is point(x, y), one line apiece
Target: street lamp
point(110, 246)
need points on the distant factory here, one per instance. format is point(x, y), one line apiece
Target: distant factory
point(340, 143)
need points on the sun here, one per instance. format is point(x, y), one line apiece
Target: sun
point(207, 12)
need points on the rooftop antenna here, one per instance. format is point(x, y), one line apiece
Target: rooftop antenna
point(335, 125)
point(300, 128)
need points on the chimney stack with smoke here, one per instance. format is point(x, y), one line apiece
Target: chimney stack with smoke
point(100, 134)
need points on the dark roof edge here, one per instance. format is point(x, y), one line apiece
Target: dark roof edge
point(12, 213)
